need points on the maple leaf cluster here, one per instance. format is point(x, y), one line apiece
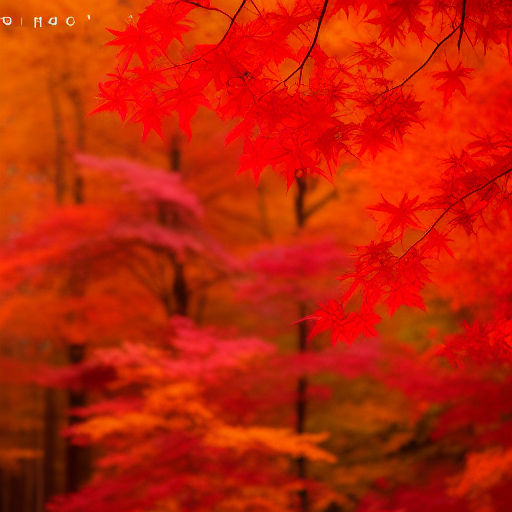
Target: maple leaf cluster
point(298, 109)
point(304, 111)
point(474, 195)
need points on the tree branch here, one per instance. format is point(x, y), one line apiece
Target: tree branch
point(462, 19)
point(308, 54)
point(451, 206)
point(414, 73)
point(207, 8)
point(333, 194)
point(207, 52)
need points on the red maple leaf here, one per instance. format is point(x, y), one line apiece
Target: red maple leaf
point(150, 113)
point(401, 216)
point(391, 27)
point(133, 41)
point(372, 56)
point(409, 279)
point(166, 22)
point(343, 326)
point(113, 95)
point(404, 295)
point(452, 80)
point(186, 98)
point(329, 316)
point(436, 243)
point(373, 138)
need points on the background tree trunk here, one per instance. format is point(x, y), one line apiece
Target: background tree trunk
point(302, 383)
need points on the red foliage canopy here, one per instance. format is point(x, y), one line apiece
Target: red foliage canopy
point(303, 110)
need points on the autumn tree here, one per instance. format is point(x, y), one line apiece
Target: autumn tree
point(127, 233)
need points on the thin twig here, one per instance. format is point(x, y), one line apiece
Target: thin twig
point(462, 19)
point(207, 8)
point(415, 72)
point(452, 205)
point(233, 19)
point(333, 194)
point(308, 54)
point(207, 52)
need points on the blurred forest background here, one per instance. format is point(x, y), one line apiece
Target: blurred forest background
point(148, 344)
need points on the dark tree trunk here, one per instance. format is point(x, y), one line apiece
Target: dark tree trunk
point(180, 285)
point(176, 299)
point(50, 405)
point(302, 383)
point(180, 288)
point(78, 458)
point(59, 176)
point(50, 443)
